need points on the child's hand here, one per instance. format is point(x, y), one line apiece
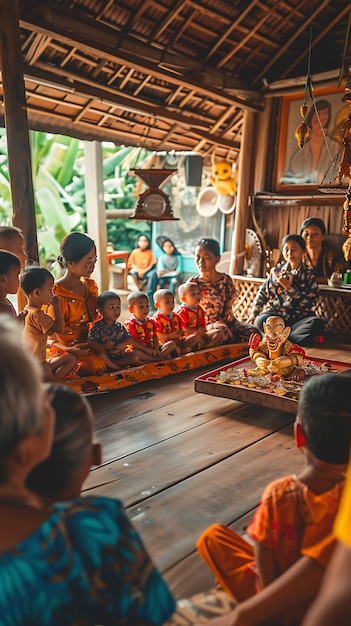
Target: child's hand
point(80, 349)
point(55, 299)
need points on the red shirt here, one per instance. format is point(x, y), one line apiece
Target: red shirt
point(143, 331)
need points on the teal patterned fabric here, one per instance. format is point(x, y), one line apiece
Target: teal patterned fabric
point(84, 565)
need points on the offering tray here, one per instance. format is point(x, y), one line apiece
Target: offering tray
point(232, 381)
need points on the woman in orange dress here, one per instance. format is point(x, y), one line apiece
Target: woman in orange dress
point(78, 294)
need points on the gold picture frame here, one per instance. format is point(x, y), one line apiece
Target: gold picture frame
point(303, 170)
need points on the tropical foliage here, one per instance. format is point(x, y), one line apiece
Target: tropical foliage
point(59, 189)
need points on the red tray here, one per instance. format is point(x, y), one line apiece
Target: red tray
point(263, 397)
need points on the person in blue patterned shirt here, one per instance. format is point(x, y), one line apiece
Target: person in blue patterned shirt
point(79, 561)
point(290, 291)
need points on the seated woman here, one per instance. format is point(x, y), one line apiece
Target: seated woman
point(319, 256)
point(142, 266)
point(218, 295)
point(169, 265)
point(78, 294)
point(291, 292)
point(81, 561)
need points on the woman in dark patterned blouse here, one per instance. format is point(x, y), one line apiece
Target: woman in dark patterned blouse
point(290, 291)
point(319, 256)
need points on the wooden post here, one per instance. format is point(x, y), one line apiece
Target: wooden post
point(95, 207)
point(16, 122)
point(244, 187)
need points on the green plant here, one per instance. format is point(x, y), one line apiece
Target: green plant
point(58, 167)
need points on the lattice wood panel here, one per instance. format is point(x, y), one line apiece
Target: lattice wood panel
point(333, 306)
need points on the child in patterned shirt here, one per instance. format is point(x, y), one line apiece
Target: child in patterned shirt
point(110, 338)
point(143, 328)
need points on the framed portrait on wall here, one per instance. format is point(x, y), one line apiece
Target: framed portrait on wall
point(304, 169)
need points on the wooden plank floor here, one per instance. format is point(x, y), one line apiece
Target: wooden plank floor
point(181, 460)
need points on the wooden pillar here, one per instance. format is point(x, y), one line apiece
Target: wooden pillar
point(16, 122)
point(243, 195)
point(95, 208)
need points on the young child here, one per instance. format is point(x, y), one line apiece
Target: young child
point(192, 315)
point(143, 328)
point(37, 284)
point(292, 529)
point(10, 268)
point(110, 338)
point(169, 323)
point(60, 477)
point(169, 264)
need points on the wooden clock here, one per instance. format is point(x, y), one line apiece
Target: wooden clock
point(153, 204)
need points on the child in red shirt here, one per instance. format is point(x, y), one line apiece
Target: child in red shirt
point(169, 324)
point(192, 315)
point(143, 328)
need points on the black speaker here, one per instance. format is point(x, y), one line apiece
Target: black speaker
point(193, 170)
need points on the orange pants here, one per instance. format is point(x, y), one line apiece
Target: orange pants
point(231, 559)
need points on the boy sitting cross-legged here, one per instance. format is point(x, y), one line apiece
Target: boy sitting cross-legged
point(277, 577)
point(193, 317)
point(110, 338)
point(143, 328)
point(169, 323)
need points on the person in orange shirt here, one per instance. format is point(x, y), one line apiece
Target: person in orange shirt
point(142, 266)
point(292, 530)
point(333, 603)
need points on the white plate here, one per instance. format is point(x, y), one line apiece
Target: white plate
point(226, 204)
point(207, 202)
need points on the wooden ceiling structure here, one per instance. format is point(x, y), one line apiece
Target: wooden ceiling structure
point(168, 74)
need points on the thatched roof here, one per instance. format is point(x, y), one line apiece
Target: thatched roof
point(168, 74)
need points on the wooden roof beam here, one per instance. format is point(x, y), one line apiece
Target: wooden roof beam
point(198, 127)
point(126, 50)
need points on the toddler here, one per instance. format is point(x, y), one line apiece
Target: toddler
point(292, 530)
point(169, 323)
point(37, 283)
point(143, 328)
point(193, 317)
point(110, 338)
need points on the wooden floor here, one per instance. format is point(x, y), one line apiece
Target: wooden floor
point(180, 460)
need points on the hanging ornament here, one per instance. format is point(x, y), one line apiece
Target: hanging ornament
point(303, 132)
point(345, 163)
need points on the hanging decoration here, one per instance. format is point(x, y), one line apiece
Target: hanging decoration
point(303, 132)
point(153, 204)
point(223, 178)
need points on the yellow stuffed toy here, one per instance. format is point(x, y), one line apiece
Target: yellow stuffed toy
point(224, 180)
